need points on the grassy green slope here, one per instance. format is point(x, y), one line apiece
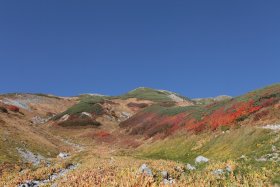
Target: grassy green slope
point(150, 94)
point(88, 103)
point(243, 141)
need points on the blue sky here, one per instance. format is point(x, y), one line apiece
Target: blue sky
point(196, 48)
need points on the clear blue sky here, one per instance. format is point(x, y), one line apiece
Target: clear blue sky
point(197, 48)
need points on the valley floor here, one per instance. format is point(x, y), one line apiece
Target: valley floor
point(101, 164)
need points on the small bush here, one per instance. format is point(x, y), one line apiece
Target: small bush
point(241, 118)
point(3, 109)
point(225, 128)
point(137, 105)
point(79, 122)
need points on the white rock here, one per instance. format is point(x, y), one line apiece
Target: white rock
point(164, 174)
point(63, 155)
point(228, 169)
point(145, 170)
point(275, 127)
point(29, 156)
point(218, 172)
point(201, 159)
point(190, 167)
point(86, 114)
point(126, 115)
point(65, 117)
point(169, 181)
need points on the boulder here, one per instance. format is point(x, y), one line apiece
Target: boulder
point(201, 159)
point(30, 184)
point(169, 181)
point(164, 174)
point(63, 155)
point(64, 118)
point(144, 169)
point(243, 157)
point(228, 169)
point(218, 172)
point(86, 114)
point(190, 167)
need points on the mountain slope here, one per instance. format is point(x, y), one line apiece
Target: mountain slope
point(143, 93)
point(90, 108)
point(21, 118)
point(260, 106)
point(205, 101)
point(106, 139)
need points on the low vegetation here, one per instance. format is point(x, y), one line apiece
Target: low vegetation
point(197, 118)
point(164, 137)
point(150, 94)
point(79, 123)
point(89, 104)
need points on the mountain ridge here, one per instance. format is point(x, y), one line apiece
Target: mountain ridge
point(141, 124)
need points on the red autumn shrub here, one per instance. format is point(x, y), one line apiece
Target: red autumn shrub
point(13, 108)
point(102, 134)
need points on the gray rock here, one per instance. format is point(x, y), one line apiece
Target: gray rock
point(269, 157)
point(275, 127)
point(274, 148)
point(190, 167)
point(36, 182)
point(201, 159)
point(218, 172)
point(169, 181)
point(46, 181)
point(24, 185)
point(30, 184)
point(125, 115)
point(228, 169)
point(144, 169)
point(28, 156)
point(86, 114)
point(53, 177)
point(37, 120)
point(165, 174)
point(63, 155)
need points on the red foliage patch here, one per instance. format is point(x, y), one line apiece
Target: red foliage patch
point(226, 113)
point(13, 108)
point(102, 134)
